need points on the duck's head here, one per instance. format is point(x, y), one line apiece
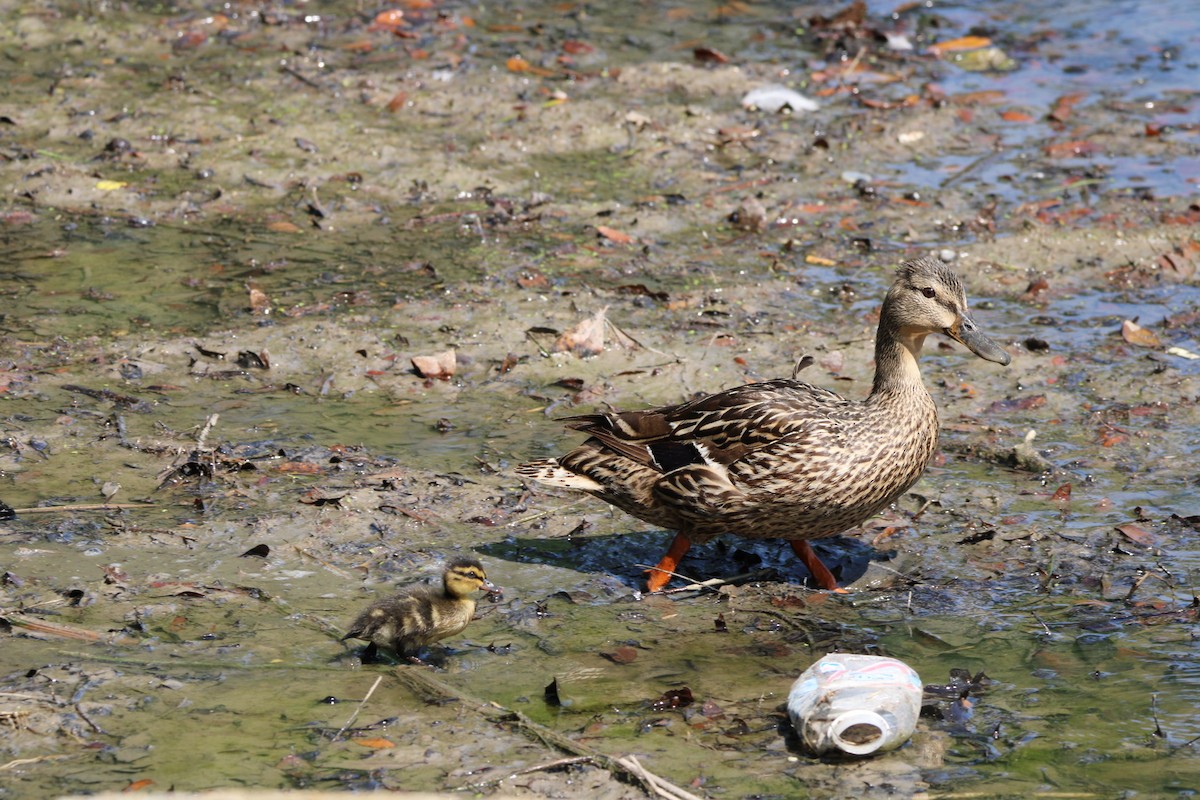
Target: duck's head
point(464, 576)
point(929, 298)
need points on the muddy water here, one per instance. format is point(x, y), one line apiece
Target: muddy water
point(335, 200)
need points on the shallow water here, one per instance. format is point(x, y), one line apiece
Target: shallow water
point(359, 475)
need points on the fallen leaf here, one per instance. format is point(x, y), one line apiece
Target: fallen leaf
point(586, 339)
point(963, 43)
point(259, 303)
point(1138, 336)
point(440, 366)
point(391, 20)
point(299, 468)
point(282, 226)
point(109, 186)
point(518, 64)
point(622, 655)
point(1136, 534)
point(709, 55)
point(397, 102)
point(576, 47)
point(1016, 116)
point(137, 786)
point(1077, 147)
point(614, 235)
point(1063, 106)
point(375, 744)
point(983, 97)
point(1019, 404)
point(675, 698)
point(1062, 493)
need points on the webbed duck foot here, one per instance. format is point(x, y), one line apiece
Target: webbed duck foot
point(821, 574)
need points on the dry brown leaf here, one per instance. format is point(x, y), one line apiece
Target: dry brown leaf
point(1136, 534)
point(1138, 336)
point(259, 303)
point(1064, 105)
point(586, 339)
point(440, 366)
point(1071, 149)
point(622, 655)
point(614, 235)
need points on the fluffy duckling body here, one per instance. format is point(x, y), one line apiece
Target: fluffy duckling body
point(422, 614)
point(780, 459)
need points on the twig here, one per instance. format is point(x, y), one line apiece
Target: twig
point(208, 426)
point(656, 568)
point(88, 720)
point(20, 762)
point(361, 703)
point(51, 629)
point(424, 683)
point(659, 786)
point(712, 584)
point(550, 765)
point(548, 512)
point(81, 507)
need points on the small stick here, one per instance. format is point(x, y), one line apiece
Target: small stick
point(551, 765)
point(713, 584)
point(660, 786)
point(361, 703)
point(207, 429)
point(81, 507)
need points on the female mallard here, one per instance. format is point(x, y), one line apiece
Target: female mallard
point(420, 615)
point(780, 459)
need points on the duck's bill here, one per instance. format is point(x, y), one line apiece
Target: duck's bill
point(970, 336)
point(494, 593)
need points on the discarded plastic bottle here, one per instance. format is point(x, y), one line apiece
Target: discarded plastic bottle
point(856, 704)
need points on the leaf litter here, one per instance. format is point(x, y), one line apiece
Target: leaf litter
point(283, 439)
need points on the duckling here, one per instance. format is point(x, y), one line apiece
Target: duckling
point(781, 459)
point(422, 614)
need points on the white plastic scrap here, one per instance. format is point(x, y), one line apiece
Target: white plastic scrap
point(775, 98)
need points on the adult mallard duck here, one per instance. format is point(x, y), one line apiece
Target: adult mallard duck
point(780, 459)
point(419, 615)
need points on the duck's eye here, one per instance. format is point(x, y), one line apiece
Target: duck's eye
point(929, 292)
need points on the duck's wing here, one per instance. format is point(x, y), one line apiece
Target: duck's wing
point(394, 617)
point(719, 429)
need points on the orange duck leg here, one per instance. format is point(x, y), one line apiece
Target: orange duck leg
point(661, 575)
point(821, 574)
point(658, 577)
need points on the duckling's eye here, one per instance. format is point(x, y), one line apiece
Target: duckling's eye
point(929, 292)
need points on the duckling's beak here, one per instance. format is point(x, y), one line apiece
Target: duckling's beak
point(964, 332)
point(494, 592)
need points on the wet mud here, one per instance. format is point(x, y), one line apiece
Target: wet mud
point(230, 232)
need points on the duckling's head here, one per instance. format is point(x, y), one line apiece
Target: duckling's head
point(929, 298)
point(464, 576)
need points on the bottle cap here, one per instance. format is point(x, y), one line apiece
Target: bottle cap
point(860, 732)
